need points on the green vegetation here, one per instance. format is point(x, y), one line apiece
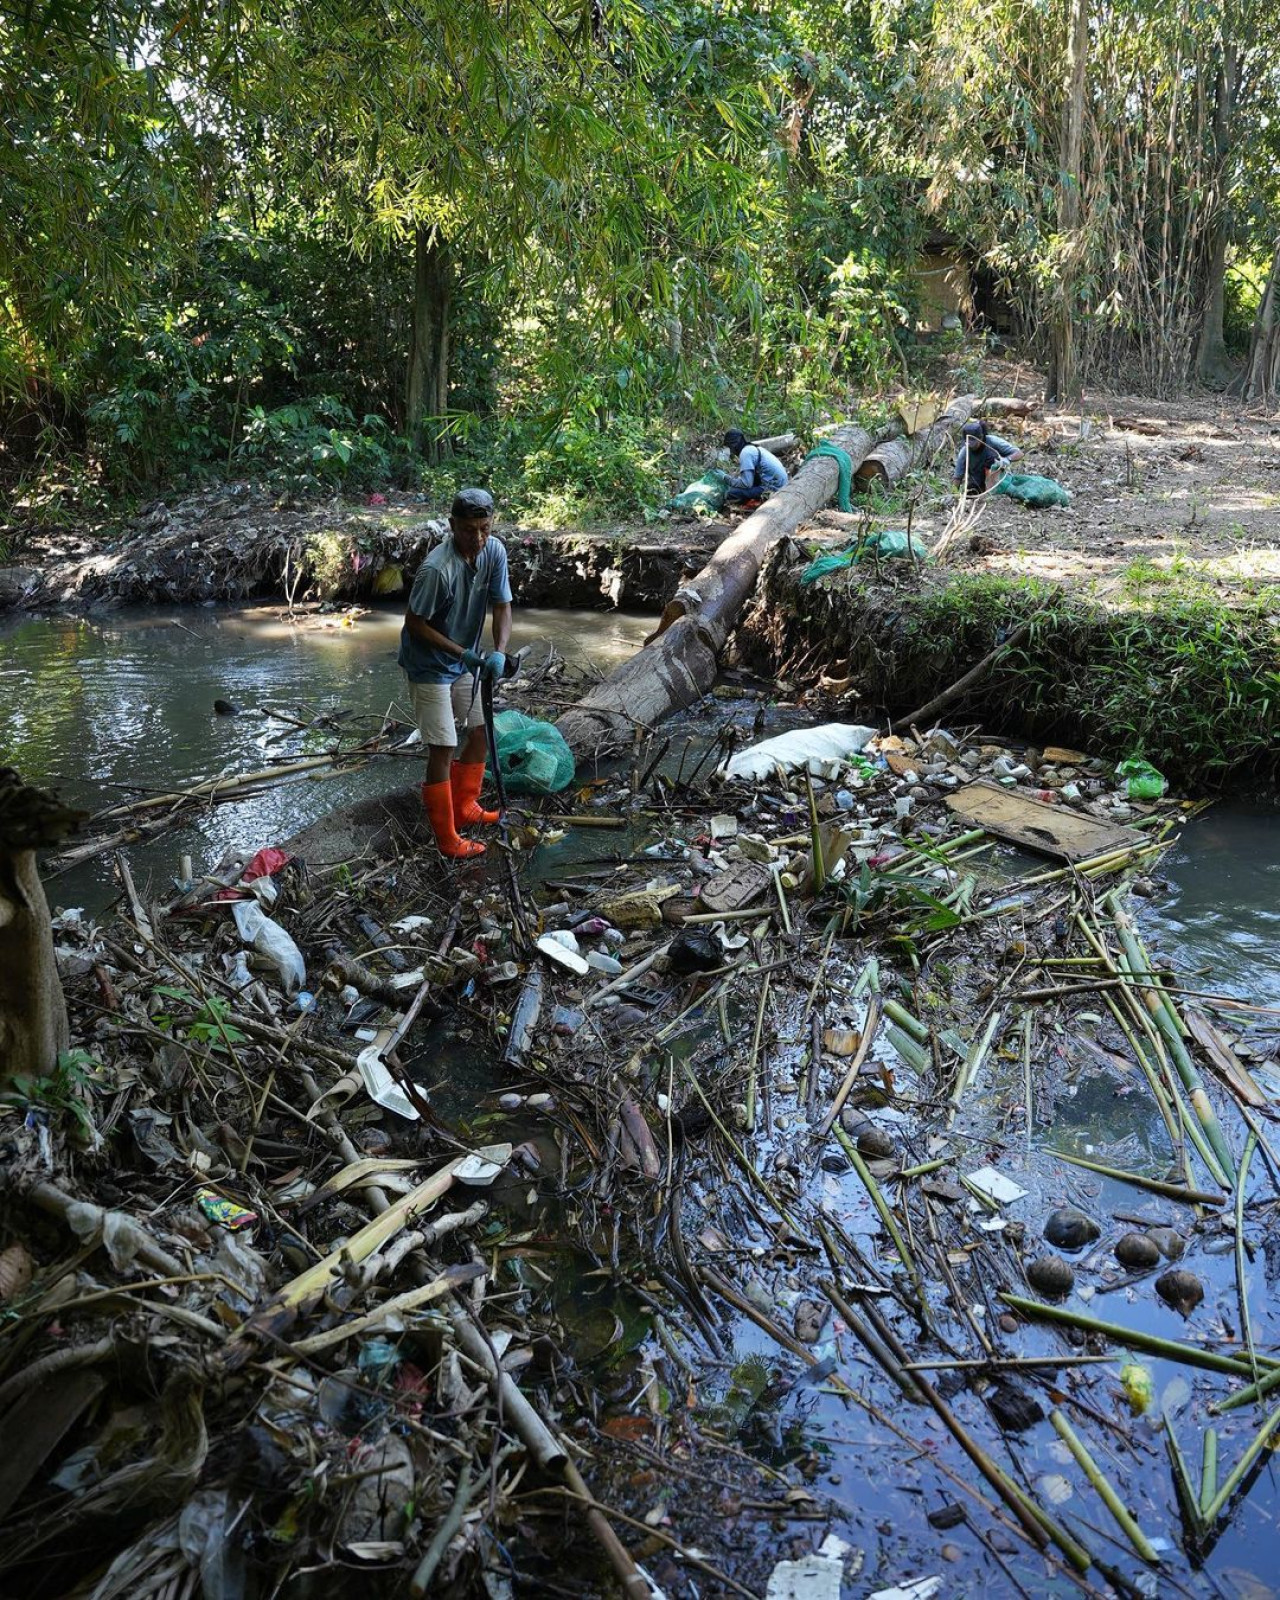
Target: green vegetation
point(350, 247)
point(1175, 675)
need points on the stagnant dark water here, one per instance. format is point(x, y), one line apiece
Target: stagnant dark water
point(100, 707)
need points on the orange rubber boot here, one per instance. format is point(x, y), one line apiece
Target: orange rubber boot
point(466, 777)
point(438, 799)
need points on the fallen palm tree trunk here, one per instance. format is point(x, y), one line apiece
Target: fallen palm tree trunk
point(678, 665)
point(895, 457)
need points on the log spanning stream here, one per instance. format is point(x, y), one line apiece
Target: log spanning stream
point(114, 705)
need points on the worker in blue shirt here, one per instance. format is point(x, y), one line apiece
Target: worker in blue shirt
point(981, 454)
point(759, 470)
point(463, 577)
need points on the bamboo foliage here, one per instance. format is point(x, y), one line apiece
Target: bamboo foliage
point(1176, 98)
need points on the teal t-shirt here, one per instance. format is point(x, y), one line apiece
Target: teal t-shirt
point(455, 599)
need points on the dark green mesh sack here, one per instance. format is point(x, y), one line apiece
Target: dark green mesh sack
point(533, 755)
point(1032, 490)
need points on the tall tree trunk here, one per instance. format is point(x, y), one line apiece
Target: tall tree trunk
point(1259, 383)
point(33, 1015)
point(427, 391)
point(1212, 363)
point(1064, 376)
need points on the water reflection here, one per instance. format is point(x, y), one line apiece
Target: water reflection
point(107, 708)
point(1221, 916)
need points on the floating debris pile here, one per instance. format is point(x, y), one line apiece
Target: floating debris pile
point(770, 1114)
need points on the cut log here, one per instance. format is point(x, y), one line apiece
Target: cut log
point(1007, 405)
point(778, 444)
point(889, 462)
point(678, 665)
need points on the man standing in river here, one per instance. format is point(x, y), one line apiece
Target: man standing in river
point(456, 585)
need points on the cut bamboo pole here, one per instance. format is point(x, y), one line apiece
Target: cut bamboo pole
point(1209, 1470)
point(1160, 1008)
point(1237, 1475)
point(1246, 1326)
point(1171, 1191)
point(1190, 1355)
point(878, 1200)
point(1123, 1518)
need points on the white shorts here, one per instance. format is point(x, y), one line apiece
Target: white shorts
point(442, 708)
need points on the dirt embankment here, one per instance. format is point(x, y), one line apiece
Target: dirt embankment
point(234, 543)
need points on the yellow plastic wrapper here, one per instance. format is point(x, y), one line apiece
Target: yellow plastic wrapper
point(1138, 1386)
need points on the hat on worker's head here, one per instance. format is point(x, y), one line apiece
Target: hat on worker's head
point(974, 430)
point(735, 440)
point(471, 504)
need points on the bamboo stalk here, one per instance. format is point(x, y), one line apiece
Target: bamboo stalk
point(869, 1024)
point(815, 838)
point(913, 1054)
point(1251, 1392)
point(976, 1056)
point(1123, 1517)
point(1209, 1470)
point(1026, 1076)
point(1237, 1474)
point(909, 1024)
point(878, 1200)
point(1182, 1475)
point(755, 1054)
point(1172, 1191)
point(1190, 1355)
point(1159, 1006)
point(872, 1341)
point(1246, 1327)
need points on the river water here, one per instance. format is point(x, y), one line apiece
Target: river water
point(103, 708)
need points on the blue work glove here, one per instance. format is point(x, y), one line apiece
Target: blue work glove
point(495, 664)
point(472, 660)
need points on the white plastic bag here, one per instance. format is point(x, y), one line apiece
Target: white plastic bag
point(268, 938)
point(813, 748)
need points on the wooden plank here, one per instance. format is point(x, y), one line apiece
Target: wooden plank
point(1039, 825)
point(738, 887)
point(36, 1423)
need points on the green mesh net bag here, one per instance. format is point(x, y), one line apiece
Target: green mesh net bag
point(533, 755)
point(705, 497)
point(1032, 490)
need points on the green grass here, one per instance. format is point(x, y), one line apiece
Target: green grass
point(1175, 675)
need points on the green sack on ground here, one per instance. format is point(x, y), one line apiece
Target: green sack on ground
point(533, 755)
point(706, 496)
point(1032, 490)
point(889, 542)
point(879, 546)
point(1142, 781)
